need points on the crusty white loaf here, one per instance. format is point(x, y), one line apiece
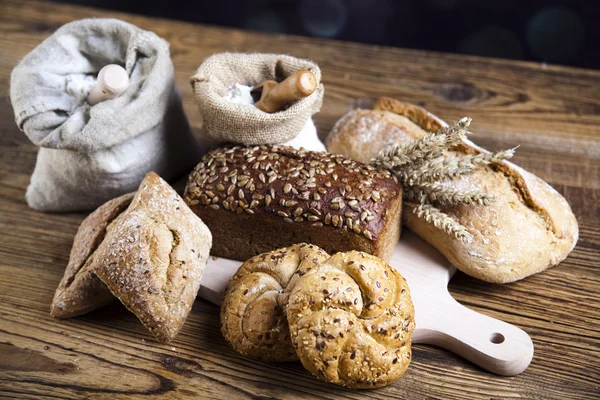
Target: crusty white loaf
point(529, 228)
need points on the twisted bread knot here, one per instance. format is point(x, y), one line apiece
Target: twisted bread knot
point(252, 317)
point(351, 321)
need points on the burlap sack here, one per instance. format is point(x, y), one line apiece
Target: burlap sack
point(226, 121)
point(90, 154)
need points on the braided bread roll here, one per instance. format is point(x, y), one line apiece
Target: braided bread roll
point(252, 316)
point(351, 321)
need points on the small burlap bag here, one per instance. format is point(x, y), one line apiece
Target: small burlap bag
point(91, 154)
point(226, 121)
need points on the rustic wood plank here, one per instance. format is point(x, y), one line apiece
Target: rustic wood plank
point(552, 112)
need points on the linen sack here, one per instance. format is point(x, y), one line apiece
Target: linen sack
point(226, 121)
point(91, 154)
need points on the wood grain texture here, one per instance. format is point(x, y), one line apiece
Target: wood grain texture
point(552, 112)
point(489, 343)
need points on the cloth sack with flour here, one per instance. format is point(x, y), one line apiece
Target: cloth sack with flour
point(90, 154)
point(221, 88)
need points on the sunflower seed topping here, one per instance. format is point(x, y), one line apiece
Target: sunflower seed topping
point(238, 179)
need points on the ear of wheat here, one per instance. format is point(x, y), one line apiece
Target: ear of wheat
point(425, 173)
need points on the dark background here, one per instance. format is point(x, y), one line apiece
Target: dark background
point(557, 32)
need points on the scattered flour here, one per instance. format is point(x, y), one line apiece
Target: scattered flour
point(240, 94)
point(80, 86)
point(307, 138)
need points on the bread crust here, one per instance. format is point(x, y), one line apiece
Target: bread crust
point(529, 228)
point(351, 319)
point(253, 319)
point(80, 291)
point(257, 199)
point(153, 257)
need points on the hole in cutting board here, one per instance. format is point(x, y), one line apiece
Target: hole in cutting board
point(497, 338)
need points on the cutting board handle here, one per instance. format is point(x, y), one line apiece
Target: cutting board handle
point(494, 345)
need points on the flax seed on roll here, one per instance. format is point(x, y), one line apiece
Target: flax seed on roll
point(351, 320)
point(257, 199)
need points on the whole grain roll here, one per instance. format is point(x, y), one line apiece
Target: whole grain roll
point(253, 319)
point(80, 290)
point(153, 257)
point(351, 321)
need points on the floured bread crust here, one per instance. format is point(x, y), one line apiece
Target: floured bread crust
point(80, 291)
point(529, 228)
point(153, 257)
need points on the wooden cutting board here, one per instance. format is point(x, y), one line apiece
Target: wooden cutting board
point(441, 321)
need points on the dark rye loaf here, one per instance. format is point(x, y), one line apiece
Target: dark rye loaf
point(258, 199)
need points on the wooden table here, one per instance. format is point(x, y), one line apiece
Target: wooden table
point(552, 112)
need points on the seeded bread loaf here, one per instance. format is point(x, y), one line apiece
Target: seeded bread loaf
point(351, 321)
point(252, 313)
point(80, 291)
point(529, 228)
point(258, 199)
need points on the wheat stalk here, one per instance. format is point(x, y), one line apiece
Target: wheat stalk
point(473, 160)
point(438, 193)
point(443, 221)
point(424, 172)
point(449, 167)
point(454, 135)
point(396, 156)
point(436, 169)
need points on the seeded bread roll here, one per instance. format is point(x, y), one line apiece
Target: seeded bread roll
point(80, 291)
point(257, 199)
point(252, 313)
point(351, 321)
point(153, 256)
point(529, 228)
